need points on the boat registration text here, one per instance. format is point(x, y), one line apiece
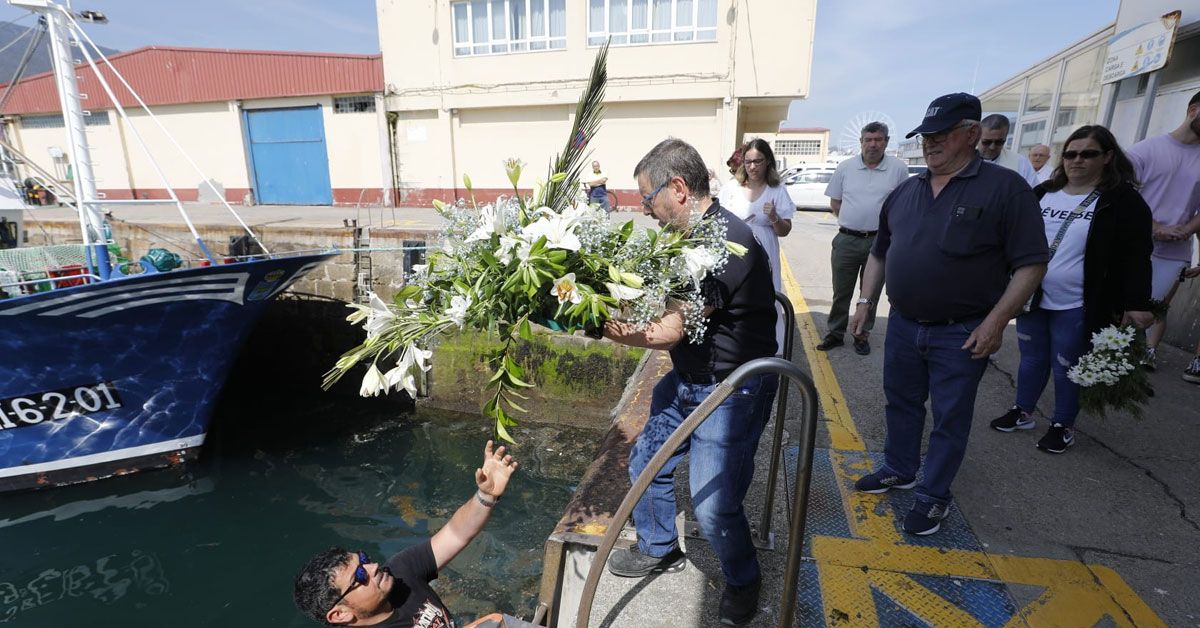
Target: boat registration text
point(59, 404)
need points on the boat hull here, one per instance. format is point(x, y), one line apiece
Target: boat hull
point(113, 377)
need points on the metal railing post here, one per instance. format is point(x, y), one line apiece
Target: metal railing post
point(722, 392)
point(781, 399)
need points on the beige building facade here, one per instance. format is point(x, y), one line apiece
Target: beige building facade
point(797, 146)
point(470, 83)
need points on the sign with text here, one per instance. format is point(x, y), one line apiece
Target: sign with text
point(1143, 48)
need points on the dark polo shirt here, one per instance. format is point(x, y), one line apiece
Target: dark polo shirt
point(742, 325)
point(951, 257)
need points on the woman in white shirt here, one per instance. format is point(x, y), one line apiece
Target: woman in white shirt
point(1098, 228)
point(760, 199)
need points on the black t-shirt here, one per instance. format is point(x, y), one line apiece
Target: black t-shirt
point(950, 257)
point(742, 325)
point(415, 603)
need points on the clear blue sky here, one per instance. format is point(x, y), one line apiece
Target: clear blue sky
point(892, 56)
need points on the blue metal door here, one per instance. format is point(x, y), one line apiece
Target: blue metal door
point(289, 162)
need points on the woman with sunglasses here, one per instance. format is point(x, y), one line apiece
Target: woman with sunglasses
point(1099, 230)
point(757, 195)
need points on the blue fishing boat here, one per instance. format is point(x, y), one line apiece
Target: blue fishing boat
point(105, 367)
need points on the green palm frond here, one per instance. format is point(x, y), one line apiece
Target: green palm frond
point(588, 113)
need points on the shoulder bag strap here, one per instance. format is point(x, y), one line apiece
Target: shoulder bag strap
point(1075, 213)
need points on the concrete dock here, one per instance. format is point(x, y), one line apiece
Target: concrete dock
point(1105, 534)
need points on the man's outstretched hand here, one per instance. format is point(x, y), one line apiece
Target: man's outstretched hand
point(492, 477)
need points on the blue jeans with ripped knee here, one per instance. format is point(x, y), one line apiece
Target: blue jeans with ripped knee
point(721, 466)
point(1051, 341)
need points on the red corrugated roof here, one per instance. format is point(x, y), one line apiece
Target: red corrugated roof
point(171, 76)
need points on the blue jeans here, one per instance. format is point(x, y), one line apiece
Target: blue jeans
point(1051, 341)
point(920, 362)
point(720, 468)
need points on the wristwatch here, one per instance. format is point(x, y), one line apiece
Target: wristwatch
point(865, 301)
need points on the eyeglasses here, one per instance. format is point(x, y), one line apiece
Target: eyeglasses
point(361, 578)
point(649, 198)
point(941, 136)
point(1090, 153)
point(993, 142)
point(754, 162)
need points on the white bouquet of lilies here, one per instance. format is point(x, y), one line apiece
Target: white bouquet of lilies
point(536, 259)
point(1108, 375)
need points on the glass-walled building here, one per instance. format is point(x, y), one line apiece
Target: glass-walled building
point(1051, 99)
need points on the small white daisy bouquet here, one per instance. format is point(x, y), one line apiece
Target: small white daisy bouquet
point(537, 259)
point(1108, 375)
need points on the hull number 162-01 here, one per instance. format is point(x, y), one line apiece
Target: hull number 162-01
point(55, 405)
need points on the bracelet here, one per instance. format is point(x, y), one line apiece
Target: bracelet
point(487, 503)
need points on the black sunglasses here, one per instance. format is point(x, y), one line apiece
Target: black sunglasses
point(992, 142)
point(361, 578)
point(1090, 153)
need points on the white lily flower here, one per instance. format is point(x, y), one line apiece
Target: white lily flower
point(559, 232)
point(623, 293)
point(491, 221)
point(378, 317)
point(402, 376)
point(699, 261)
point(421, 357)
point(457, 312)
point(508, 246)
point(372, 383)
point(565, 290)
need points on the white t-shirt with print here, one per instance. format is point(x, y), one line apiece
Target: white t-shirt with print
point(1062, 288)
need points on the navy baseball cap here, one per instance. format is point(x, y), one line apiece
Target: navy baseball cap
point(946, 111)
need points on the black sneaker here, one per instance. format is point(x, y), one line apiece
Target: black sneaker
point(830, 343)
point(1057, 439)
point(862, 346)
point(1192, 372)
point(1150, 360)
point(882, 481)
point(925, 518)
point(739, 604)
point(1013, 420)
point(632, 563)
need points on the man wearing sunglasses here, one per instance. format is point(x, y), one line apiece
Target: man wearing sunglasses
point(963, 247)
point(739, 304)
point(993, 137)
point(345, 588)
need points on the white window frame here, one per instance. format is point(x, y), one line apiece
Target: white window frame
point(802, 148)
point(676, 34)
point(508, 45)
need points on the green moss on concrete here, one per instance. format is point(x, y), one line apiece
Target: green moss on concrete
point(578, 379)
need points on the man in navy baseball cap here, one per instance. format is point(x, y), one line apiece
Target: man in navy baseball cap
point(946, 111)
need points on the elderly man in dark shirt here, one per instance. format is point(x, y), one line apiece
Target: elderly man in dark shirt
point(963, 248)
point(740, 307)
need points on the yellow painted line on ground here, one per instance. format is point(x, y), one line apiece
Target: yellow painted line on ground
point(878, 559)
point(843, 435)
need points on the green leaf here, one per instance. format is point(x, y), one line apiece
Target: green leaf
point(558, 177)
point(467, 182)
point(735, 248)
point(526, 331)
point(502, 433)
point(614, 274)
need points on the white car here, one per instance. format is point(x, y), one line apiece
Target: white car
point(807, 189)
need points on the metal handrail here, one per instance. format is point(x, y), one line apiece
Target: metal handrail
point(808, 398)
point(781, 399)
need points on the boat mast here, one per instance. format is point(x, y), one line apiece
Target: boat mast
point(91, 220)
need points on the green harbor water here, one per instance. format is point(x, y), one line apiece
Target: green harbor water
point(218, 542)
